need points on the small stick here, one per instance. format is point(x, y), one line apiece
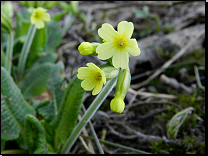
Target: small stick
point(198, 78)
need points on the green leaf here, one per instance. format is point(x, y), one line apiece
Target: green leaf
point(14, 108)
point(48, 111)
point(22, 24)
point(69, 110)
point(37, 46)
point(176, 121)
point(7, 8)
point(2, 57)
point(54, 36)
point(35, 81)
point(3, 142)
point(51, 57)
point(57, 74)
point(74, 5)
point(51, 4)
point(34, 135)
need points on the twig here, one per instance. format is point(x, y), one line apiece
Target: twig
point(119, 146)
point(172, 66)
point(154, 102)
point(94, 134)
point(85, 145)
point(147, 94)
point(90, 148)
point(198, 78)
point(153, 113)
point(127, 4)
point(168, 63)
point(119, 134)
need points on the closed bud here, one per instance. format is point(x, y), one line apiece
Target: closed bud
point(117, 104)
point(86, 48)
point(123, 83)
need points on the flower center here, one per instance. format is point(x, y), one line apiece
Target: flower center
point(38, 15)
point(120, 43)
point(98, 76)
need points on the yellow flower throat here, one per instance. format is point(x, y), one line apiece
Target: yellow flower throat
point(38, 15)
point(98, 76)
point(120, 43)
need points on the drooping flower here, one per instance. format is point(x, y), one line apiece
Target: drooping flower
point(117, 44)
point(38, 17)
point(122, 86)
point(117, 104)
point(93, 77)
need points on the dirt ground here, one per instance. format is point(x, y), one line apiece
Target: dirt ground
point(163, 30)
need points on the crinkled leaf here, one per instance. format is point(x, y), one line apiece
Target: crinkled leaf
point(14, 108)
point(176, 121)
point(34, 135)
point(54, 36)
point(35, 82)
point(69, 110)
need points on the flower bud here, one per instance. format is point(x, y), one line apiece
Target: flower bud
point(110, 72)
point(86, 48)
point(123, 83)
point(117, 104)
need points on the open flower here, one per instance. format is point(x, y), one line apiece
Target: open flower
point(93, 77)
point(117, 44)
point(38, 17)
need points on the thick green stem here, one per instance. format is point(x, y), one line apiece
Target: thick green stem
point(9, 52)
point(25, 50)
point(88, 114)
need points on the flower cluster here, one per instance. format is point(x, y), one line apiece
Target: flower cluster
point(38, 17)
point(116, 48)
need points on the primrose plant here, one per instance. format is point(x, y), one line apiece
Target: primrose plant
point(115, 50)
point(56, 130)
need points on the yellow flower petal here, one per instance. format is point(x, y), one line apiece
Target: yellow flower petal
point(105, 51)
point(32, 20)
point(97, 89)
point(107, 32)
point(41, 9)
point(93, 66)
point(120, 59)
point(133, 48)
point(103, 77)
point(46, 17)
point(126, 28)
point(39, 24)
point(88, 84)
point(93, 77)
point(84, 73)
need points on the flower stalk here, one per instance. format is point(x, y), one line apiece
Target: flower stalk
point(9, 52)
point(25, 50)
point(88, 115)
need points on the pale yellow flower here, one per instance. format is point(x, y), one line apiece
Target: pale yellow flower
point(93, 77)
point(117, 104)
point(118, 44)
point(38, 17)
